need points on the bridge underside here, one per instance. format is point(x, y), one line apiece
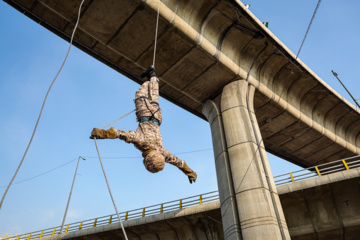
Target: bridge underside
point(203, 46)
point(326, 207)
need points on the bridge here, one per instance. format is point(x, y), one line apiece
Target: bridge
point(319, 208)
point(319, 203)
point(219, 62)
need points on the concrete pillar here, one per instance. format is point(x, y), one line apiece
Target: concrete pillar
point(248, 195)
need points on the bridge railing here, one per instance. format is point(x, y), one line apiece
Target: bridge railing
point(317, 171)
point(132, 214)
point(307, 173)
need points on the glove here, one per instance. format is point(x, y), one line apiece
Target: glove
point(102, 134)
point(192, 177)
point(98, 133)
point(190, 173)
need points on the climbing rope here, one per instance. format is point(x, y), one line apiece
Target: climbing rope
point(121, 157)
point(42, 107)
point(253, 127)
point(302, 44)
point(118, 119)
point(103, 169)
point(156, 32)
point(41, 174)
point(155, 43)
point(307, 31)
point(107, 183)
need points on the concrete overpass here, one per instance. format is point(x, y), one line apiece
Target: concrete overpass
point(219, 62)
point(213, 42)
point(325, 207)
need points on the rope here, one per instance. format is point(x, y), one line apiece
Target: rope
point(30, 178)
point(64, 164)
point(258, 143)
point(68, 202)
point(297, 55)
point(268, 180)
point(256, 138)
point(107, 183)
point(279, 50)
point(156, 32)
point(261, 156)
point(42, 107)
point(307, 31)
point(118, 119)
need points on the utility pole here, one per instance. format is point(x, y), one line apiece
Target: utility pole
point(336, 75)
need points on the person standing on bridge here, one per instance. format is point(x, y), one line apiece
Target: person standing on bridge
point(147, 137)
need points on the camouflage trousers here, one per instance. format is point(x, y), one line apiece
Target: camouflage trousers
point(147, 100)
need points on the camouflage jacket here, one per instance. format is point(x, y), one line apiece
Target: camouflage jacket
point(148, 137)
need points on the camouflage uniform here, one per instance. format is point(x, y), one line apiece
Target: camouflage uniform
point(147, 136)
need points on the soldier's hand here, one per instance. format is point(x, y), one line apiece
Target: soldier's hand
point(192, 177)
point(98, 133)
point(190, 173)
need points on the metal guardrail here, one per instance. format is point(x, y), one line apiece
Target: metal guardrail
point(132, 214)
point(317, 171)
point(307, 173)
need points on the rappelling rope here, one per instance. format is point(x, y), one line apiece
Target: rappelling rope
point(156, 32)
point(107, 183)
point(307, 31)
point(303, 41)
point(97, 149)
point(42, 107)
point(117, 212)
point(253, 128)
point(118, 119)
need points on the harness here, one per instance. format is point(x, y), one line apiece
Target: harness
point(149, 119)
point(152, 118)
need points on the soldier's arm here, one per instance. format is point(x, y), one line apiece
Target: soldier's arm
point(181, 164)
point(129, 136)
point(112, 133)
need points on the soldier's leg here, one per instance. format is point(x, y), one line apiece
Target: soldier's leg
point(154, 90)
point(143, 90)
point(141, 96)
point(150, 104)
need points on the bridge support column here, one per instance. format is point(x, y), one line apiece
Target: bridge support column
point(250, 205)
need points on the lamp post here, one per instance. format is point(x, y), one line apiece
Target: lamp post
point(336, 75)
point(72, 186)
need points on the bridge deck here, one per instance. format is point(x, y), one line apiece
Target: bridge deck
point(202, 46)
point(325, 207)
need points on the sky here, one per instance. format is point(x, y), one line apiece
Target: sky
point(89, 94)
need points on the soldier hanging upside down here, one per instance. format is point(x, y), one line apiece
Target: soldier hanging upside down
point(147, 137)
